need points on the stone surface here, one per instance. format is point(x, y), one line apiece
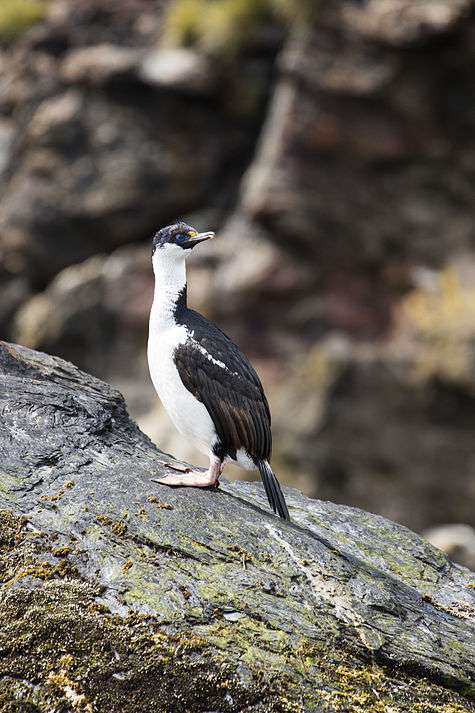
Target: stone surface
point(124, 595)
point(363, 181)
point(103, 153)
point(345, 268)
point(345, 173)
point(95, 313)
point(179, 69)
point(458, 541)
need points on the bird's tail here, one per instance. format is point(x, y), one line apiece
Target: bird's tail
point(273, 490)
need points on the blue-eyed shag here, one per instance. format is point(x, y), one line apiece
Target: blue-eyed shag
point(208, 387)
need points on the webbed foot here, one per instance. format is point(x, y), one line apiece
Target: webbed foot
point(192, 478)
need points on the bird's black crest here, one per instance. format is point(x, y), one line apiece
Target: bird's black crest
point(178, 234)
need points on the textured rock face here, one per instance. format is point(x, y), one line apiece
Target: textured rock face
point(96, 311)
point(364, 178)
point(61, 199)
point(361, 116)
point(379, 435)
point(104, 152)
point(122, 595)
point(345, 263)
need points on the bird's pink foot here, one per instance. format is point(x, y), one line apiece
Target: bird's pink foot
point(193, 478)
point(177, 466)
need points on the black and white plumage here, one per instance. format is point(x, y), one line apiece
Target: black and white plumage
point(208, 387)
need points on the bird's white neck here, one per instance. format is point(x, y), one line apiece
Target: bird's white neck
point(170, 286)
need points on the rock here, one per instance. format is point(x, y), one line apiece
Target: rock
point(367, 348)
point(56, 121)
point(179, 69)
point(6, 139)
point(120, 594)
point(434, 324)
point(245, 273)
point(357, 211)
point(380, 424)
point(95, 313)
point(374, 434)
point(100, 200)
point(100, 64)
point(457, 541)
point(101, 153)
point(342, 174)
point(404, 22)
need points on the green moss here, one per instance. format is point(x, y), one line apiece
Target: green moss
point(109, 663)
point(59, 645)
point(62, 551)
point(17, 16)
point(349, 685)
point(225, 25)
point(118, 527)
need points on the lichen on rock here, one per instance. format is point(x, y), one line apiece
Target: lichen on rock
point(121, 595)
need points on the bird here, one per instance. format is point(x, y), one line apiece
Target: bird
point(207, 386)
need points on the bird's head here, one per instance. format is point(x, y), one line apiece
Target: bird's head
point(175, 241)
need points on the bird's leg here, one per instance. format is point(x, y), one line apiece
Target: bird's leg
point(195, 478)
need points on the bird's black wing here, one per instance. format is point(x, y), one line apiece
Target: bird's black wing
point(216, 372)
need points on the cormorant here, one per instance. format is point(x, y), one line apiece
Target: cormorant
point(208, 387)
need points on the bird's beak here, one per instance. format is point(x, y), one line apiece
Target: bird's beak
point(199, 238)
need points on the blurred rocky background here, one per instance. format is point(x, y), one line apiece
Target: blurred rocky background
point(332, 145)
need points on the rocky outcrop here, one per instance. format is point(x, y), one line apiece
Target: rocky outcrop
point(363, 179)
point(106, 146)
point(370, 101)
point(345, 264)
point(95, 312)
point(119, 594)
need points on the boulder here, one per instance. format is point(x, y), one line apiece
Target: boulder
point(104, 144)
point(121, 595)
point(362, 185)
point(95, 313)
point(365, 163)
point(380, 424)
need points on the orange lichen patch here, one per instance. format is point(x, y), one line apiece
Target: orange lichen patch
point(70, 690)
point(57, 496)
point(161, 506)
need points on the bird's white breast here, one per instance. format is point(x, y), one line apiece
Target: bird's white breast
point(189, 415)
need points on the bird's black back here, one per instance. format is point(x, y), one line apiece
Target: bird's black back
point(233, 394)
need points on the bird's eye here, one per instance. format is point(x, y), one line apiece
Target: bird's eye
point(180, 238)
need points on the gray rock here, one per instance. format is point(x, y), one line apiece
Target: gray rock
point(403, 22)
point(376, 434)
point(362, 184)
point(100, 155)
point(179, 69)
point(95, 313)
point(117, 592)
point(6, 139)
point(458, 541)
point(342, 175)
point(100, 64)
